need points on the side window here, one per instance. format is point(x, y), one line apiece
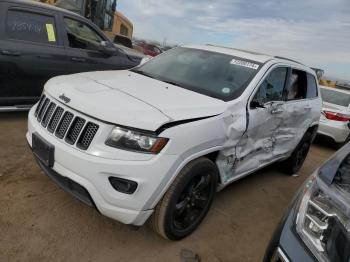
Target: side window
point(81, 35)
point(108, 22)
point(272, 87)
point(124, 30)
point(297, 87)
point(32, 27)
point(311, 86)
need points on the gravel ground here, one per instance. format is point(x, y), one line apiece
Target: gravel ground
point(40, 222)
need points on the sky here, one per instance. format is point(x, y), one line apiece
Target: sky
point(314, 32)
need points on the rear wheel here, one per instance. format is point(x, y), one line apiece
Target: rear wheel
point(293, 164)
point(187, 201)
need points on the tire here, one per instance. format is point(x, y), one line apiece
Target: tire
point(187, 201)
point(293, 164)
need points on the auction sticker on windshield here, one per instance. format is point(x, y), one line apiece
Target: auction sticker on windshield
point(244, 63)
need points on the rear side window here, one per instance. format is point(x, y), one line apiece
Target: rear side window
point(297, 87)
point(311, 86)
point(31, 27)
point(335, 97)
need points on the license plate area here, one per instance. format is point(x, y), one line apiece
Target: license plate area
point(43, 150)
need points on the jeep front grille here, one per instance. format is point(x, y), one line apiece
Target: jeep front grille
point(63, 123)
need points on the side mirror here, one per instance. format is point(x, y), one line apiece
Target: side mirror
point(107, 48)
point(145, 59)
point(257, 104)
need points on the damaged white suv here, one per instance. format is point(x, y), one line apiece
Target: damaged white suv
point(157, 141)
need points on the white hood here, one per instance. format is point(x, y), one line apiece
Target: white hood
point(130, 99)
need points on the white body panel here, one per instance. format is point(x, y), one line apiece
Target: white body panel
point(131, 100)
point(123, 96)
point(337, 130)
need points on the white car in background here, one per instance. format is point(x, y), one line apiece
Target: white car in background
point(335, 117)
point(159, 140)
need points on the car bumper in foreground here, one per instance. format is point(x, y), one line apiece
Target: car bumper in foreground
point(286, 245)
point(338, 131)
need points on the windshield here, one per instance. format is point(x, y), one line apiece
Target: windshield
point(213, 74)
point(335, 97)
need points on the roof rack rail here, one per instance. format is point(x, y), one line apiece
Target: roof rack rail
point(238, 49)
point(288, 59)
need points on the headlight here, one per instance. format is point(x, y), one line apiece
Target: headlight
point(135, 141)
point(323, 220)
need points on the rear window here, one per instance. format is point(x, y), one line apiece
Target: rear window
point(335, 97)
point(31, 27)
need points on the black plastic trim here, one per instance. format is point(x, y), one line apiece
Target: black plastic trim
point(68, 185)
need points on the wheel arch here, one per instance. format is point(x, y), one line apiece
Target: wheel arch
point(313, 131)
point(210, 153)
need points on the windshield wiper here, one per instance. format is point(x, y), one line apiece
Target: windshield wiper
point(151, 76)
point(142, 73)
point(170, 82)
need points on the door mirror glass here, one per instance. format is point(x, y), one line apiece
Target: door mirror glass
point(145, 59)
point(257, 104)
point(107, 48)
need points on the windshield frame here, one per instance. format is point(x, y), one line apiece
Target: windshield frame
point(235, 94)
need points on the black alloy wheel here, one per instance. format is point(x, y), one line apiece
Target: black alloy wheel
point(187, 201)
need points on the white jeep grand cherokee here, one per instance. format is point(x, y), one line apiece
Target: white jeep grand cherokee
point(158, 140)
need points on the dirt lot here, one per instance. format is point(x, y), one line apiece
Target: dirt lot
point(40, 222)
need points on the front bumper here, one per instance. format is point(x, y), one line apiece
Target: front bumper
point(338, 131)
point(91, 172)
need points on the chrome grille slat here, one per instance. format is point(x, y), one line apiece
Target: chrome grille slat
point(87, 135)
point(55, 119)
point(74, 130)
point(48, 114)
point(64, 124)
point(42, 98)
point(43, 109)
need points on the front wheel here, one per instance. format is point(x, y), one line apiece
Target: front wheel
point(187, 201)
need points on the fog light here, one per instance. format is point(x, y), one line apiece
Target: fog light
point(123, 185)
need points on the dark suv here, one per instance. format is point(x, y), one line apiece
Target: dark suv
point(39, 41)
point(317, 224)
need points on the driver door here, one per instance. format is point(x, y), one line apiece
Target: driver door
point(82, 44)
point(259, 144)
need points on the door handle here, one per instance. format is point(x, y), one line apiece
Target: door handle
point(78, 59)
point(10, 53)
point(276, 111)
point(308, 107)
